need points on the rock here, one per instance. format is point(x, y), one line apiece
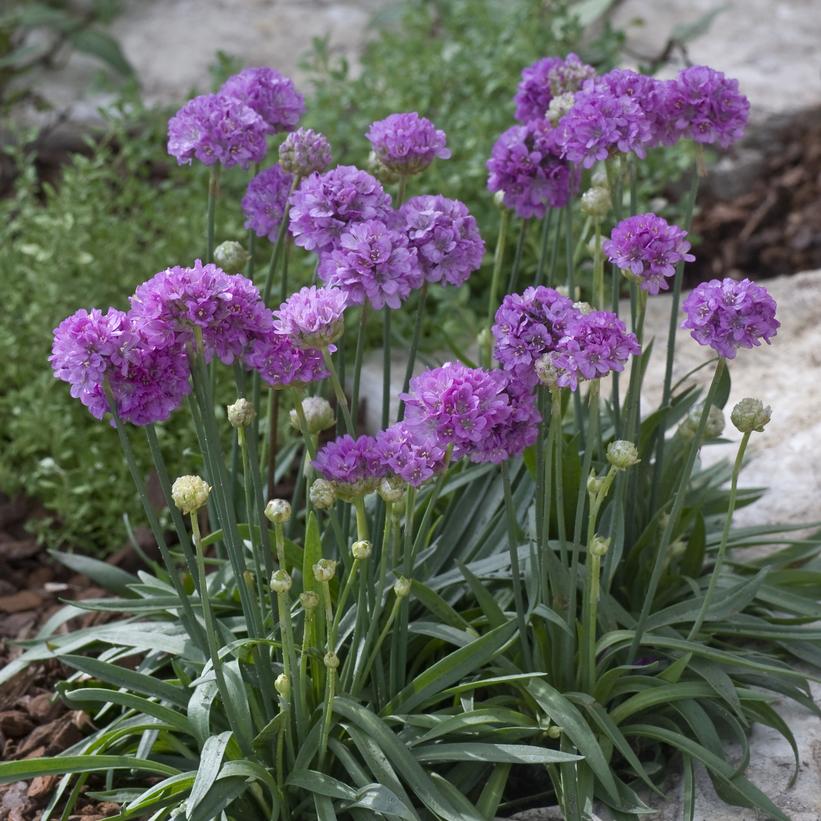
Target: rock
point(41, 786)
point(15, 723)
point(22, 600)
point(18, 549)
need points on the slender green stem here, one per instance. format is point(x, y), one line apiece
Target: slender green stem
point(493, 296)
point(361, 518)
point(568, 249)
point(357, 367)
point(598, 269)
point(379, 642)
point(515, 572)
point(277, 251)
point(417, 333)
point(517, 258)
point(556, 413)
point(725, 536)
point(272, 440)
point(541, 264)
point(289, 664)
point(386, 366)
point(428, 514)
point(398, 645)
point(341, 399)
point(286, 253)
point(211, 214)
point(400, 194)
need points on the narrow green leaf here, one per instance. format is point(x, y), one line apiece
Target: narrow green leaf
point(132, 702)
point(490, 608)
point(378, 798)
point(492, 792)
point(495, 753)
point(102, 46)
point(108, 576)
point(210, 764)
point(321, 784)
point(12, 771)
point(433, 602)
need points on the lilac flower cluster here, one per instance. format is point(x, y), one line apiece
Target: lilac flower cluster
point(265, 201)
point(545, 79)
point(324, 205)
point(525, 164)
point(647, 247)
point(215, 128)
point(305, 151)
point(312, 317)
point(412, 458)
point(519, 431)
point(179, 303)
point(353, 466)
point(448, 245)
point(281, 363)
point(372, 263)
point(95, 352)
point(407, 143)
point(270, 94)
point(728, 315)
point(527, 326)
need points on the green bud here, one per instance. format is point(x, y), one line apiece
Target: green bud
point(391, 489)
point(231, 256)
point(281, 581)
point(241, 413)
point(596, 202)
point(283, 685)
point(322, 494)
point(554, 731)
point(599, 546)
point(402, 587)
point(331, 661)
point(190, 493)
point(361, 549)
point(309, 600)
point(324, 570)
point(622, 454)
point(278, 511)
point(751, 415)
point(319, 415)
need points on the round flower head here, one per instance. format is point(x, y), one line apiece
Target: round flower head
point(270, 94)
point(526, 167)
point(280, 363)
point(707, 107)
point(318, 413)
point(265, 200)
point(214, 128)
point(227, 310)
point(448, 245)
point(305, 151)
point(94, 350)
point(412, 457)
point(231, 256)
point(529, 325)
point(456, 405)
point(548, 78)
point(372, 263)
point(407, 143)
point(352, 466)
point(648, 248)
point(312, 317)
point(190, 493)
point(750, 415)
point(325, 204)
point(595, 344)
point(728, 315)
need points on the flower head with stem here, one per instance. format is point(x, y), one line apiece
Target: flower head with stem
point(407, 143)
point(270, 94)
point(265, 201)
point(304, 152)
point(546, 79)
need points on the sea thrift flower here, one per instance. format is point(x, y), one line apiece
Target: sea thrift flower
point(227, 310)
point(265, 200)
point(728, 315)
point(529, 325)
point(305, 151)
point(325, 204)
point(372, 263)
point(412, 457)
point(526, 167)
point(352, 466)
point(319, 415)
point(595, 344)
point(648, 248)
point(707, 107)
point(213, 129)
point(457, 405)
point(241, 413)
point(407, 143)
point(312, 317)
point(510, 437)
point(750, 415)
point(548, 78)
point(280, 363)
point(446, 238)
point(190, 493)
point(270, 94)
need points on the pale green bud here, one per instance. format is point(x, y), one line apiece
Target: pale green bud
point(599, 546)
point(361, 549)
point(319, 415)
point(309, 600)
point(231, 256)
point(402, 587)
point(499, 199)
point(384, 174)
point(391, 489)
point(594, 484)
point(281, 581)
point(283, 685)
point(241, 413)
point(714, 426)
point(596, 203)
point(324, 570)
point(331, 661)
point(546, 371)
point(190, 493)
point(751, 415)
point(583, 308)
point(322, 494)
point(554, 731)
point(278, 511)
point(622, 454)
point(559, 106)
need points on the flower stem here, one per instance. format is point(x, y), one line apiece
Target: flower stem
point(493, 296)
point(341, 399)
point(516, 576)
point(386, 366)
point(283, 227)
point(541, 264)
point(211, 214)
point(517, 259)
point(417, 332)
point(358, 356)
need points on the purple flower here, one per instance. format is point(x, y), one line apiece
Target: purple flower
point(595, 344)
point(457, 405)
point(280, 363)
point(353, 466)
point(312, 317)
point(448, 245)
point(270, 94)
point(525, 165)
point(372, 262)
point(529, 325)
point(407, 143)
point(545, 79)
point(305, 151)
point(92, 350)
point(214, 128)
point(511, 436)
point(227, 310)
point(410, 456)
point(649, 248)
point(728, 315)
point(707, 107)
point(324, 205)
point(265, 200)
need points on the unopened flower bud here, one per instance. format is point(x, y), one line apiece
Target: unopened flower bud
point(331, 661)
point(594, 483)
point(391, 489)
point(751, 414)
point(241, 413)
point(309, 600)
point(584, 308)
point(559, 106)
point(499, 199)
point(545, 371)
point(190, 493)
point(678, 548)
point(622, 454)
point(282, 684)
point(231, 256)
point(599, 546)
point(249, 579)
point(280, 581)
point(324, 570)
point(322, 494)
point(565, 291)
point(319, 415)
point(278, 511)
point(596, 203)
point(361, 549)
point(381, 171)
point(402, 587)
point(554, 731)
point(714, 426)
